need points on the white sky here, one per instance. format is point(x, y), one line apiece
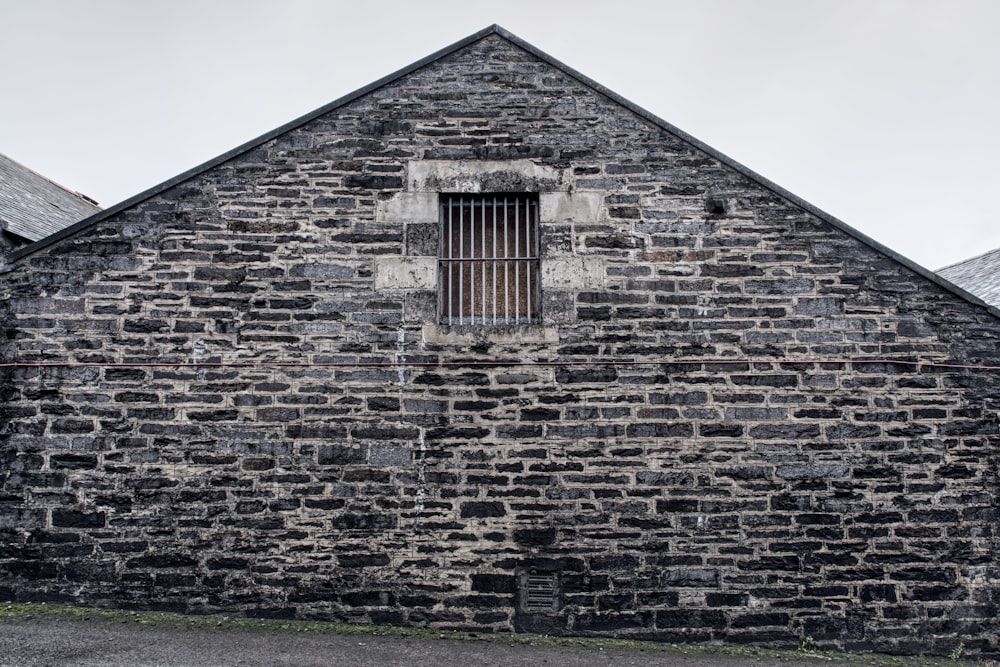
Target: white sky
point(884, 113)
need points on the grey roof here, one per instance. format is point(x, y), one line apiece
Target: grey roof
point(978, 275)
point(34, 207)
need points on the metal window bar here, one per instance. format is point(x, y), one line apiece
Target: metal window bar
point(461, 265)
point(482, 269)
point(493, 277)
point(506, 267)
point(482, 234)
point(517, 264)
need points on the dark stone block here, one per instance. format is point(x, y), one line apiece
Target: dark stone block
point(482, 509)
point(78, 519)
point(720, 430)
point(324, 503)
point(201, 496)
point(339, 455)
point(474, 406)
point(172, 580)
point(376, 598)
point(366, 475)
point(540, 414)
point(213, 415)
point(125, 374)
point(658, 599)
point(690, 618)
point(850, 432)
point(73, 461)
point(727, 599)
point(316, 431)
point(227, 563)
point(383, 403)
point(785, 431)
point(660, 430)
point(936, 593)
point(541, 624)
point(692, 577)
point(494, 583)
point(760, 620)
point(373, 182)
point(29, 569)
point(362, 521)
point(588, 374)
point(69, 425)
point(534, 537)
point(672, 505)
point(764, 380)
point(386, 617)
point(599, 314)
point(878, 592)
point(162, 560)
point(812, 471)
point(731, 270)
point(218, 274)
point(277, 414)
point(470, 433)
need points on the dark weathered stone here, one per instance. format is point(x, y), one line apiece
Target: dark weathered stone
point(78, 519)
point(687, 445)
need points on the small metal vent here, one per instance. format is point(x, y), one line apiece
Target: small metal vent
point(539, 592)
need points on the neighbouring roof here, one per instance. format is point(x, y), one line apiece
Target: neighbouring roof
point(977, 275)
point(33, 207)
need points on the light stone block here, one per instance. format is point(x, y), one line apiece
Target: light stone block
point(572, 273)
point(571, 207)
point(408, 207)
point(405, 273)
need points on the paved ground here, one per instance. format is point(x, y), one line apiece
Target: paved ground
point(57, 642)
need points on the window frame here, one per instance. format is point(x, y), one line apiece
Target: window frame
point(483, 257)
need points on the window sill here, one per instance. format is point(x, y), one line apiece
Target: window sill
point(467, 334)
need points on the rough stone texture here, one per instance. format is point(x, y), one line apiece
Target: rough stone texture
point(336, 454)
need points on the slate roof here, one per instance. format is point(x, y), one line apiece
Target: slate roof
point(977, 275)
point(33, 207)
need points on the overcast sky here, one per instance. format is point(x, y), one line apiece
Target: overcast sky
point(885, 114)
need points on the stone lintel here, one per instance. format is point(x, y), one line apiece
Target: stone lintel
point(471, 334)
point(485, 176)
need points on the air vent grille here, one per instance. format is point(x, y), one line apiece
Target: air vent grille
point(539, 592)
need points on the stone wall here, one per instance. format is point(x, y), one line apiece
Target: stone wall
point(251, 408)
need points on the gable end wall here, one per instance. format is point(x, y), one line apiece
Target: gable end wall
point(253, 411)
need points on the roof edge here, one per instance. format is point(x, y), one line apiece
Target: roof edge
point(749, 173)
point(254, 143)
point(495, 29)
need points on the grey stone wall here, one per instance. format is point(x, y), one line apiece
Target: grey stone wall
point(263, 416)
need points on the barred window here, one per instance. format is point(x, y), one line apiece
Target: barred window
point(488, 259)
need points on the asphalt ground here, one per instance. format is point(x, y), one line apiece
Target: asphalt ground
point(54, 637)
